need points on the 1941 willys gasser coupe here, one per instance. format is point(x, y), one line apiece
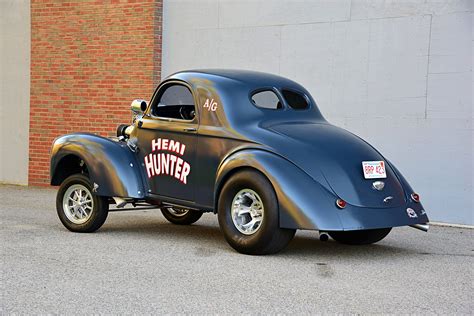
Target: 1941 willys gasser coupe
point(249, 146)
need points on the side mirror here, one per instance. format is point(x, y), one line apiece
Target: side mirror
point(138, 106)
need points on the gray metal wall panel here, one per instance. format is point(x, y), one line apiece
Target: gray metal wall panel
point(398, 73)
point(14, 90)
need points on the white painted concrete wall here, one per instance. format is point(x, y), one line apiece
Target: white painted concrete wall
point(397, 73)
point(14, 90)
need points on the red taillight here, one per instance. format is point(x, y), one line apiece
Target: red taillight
point(341, 203)
point(415, 197)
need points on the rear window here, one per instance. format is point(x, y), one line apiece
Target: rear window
point(295, 100)
point(266, 99)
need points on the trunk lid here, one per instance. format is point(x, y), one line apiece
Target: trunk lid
point(338, 154)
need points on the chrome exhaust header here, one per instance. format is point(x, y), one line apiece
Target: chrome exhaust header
point(423, 227)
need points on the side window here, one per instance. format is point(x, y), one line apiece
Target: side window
point(175, 102)
point(295, 100)
point(266, 99)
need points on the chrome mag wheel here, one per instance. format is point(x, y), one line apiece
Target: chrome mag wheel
point(181, 216)
point(250, 220)
point(247, 211)
point(178, 212)
point(78, 204)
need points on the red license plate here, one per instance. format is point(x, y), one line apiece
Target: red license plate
point(374, 169)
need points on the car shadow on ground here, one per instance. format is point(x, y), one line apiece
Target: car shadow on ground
point(305, 244)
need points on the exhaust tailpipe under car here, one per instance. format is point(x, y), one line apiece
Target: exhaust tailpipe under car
point(323, 236)
point(423, 227)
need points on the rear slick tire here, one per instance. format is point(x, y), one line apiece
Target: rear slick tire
point(249, 217)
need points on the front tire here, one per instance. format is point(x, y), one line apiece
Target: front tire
point(249, 217)
point(181, 216)
point(78, 208)
point(360, 237)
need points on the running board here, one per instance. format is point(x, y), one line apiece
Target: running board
point(138, 208)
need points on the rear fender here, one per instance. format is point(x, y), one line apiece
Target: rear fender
point(112, 167)
point(303, 202)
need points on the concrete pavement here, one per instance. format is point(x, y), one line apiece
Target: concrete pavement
point(139, 263)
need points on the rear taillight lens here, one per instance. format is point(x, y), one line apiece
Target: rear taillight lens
point(341, 203)
point(415, 197)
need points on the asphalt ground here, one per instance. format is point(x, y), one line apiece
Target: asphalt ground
point(139, 263)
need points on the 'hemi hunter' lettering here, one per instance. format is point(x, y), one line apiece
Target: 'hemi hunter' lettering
point(158, 162)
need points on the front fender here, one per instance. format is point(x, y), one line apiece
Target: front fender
point(303, 202)
point(111, 165)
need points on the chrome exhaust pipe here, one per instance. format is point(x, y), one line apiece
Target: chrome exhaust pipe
point(119, 201)
point(323, 236)
point(423, 227)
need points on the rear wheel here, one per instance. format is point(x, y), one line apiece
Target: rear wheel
point(360, 237)
point(181, 216)
point(78, 208)
point(249, 217)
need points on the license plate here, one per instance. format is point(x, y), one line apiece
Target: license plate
point(374, 169)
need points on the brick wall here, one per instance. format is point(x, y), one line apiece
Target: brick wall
point(89, 59)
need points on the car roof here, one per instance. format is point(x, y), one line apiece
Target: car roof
point(248, 77)
point(231, 90)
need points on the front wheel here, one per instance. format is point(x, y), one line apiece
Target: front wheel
point(181, 216)
point(78, 208)
point(249, 217)
point(360, 237)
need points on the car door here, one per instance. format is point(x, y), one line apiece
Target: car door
point(167, 138)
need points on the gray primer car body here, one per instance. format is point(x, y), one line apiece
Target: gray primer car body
point(309, 162)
